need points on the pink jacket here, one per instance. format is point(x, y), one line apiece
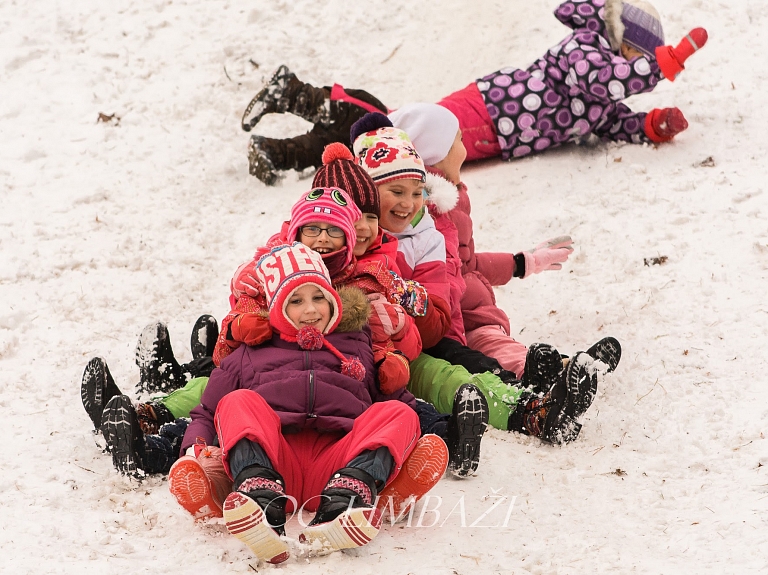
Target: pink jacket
point(479, 271)
point(442, 198)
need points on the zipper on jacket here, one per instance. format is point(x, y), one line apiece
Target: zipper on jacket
point(311, 405)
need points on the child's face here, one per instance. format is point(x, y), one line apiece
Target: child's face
point(308, 306)
point(400, 200)
point(451, 164)
point(322, 237)
point(629, 52)
point(366, 229)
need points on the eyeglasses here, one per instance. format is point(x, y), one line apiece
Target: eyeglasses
point(315, 231)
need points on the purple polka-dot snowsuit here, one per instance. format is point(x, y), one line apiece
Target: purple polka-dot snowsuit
point(575, 89)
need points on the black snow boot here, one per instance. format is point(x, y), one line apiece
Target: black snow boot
point(544, 417)
point(125, 441)
point(268, 156)
point(607, 350)
point(158, 369)
point(348, 488)
point(543, 365)
point(202, 342)
point(286, 93)
point(205, 332)
point(465, 430)
point(580, 377)
point(96, 389)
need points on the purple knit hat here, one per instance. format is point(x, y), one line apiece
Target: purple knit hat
point(642, 27)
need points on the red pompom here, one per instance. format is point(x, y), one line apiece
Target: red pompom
point(353, 368)
point(309, 338)
point(336, 151)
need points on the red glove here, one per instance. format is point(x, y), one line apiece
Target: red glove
point(661, 125)
point(672, 60)
point(393, 367)
point(245, 282)
point(387, 319)
point(250, 328)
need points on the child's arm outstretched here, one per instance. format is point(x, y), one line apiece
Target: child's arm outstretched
point(624, 125)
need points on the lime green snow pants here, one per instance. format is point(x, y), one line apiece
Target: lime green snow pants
point(436, 381)
point(182, 401)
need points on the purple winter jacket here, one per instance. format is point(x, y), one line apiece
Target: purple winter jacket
point(305, 388)
point(575, 89)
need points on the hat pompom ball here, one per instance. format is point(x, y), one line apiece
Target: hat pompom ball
point(336, 151)
point(368, 123)
point(309, 338)
point(353, 368)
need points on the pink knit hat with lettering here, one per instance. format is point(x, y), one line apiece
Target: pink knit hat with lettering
point(284, 270)
point(329, 205)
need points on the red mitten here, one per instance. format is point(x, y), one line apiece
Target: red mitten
point(672, 60)
point(393, 368)
point(251, 328)
point(245, 282)
point(387, 319)
point(661, 125)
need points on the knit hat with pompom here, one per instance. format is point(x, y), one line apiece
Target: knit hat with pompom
point(339, 170)
point(284, 270)
point(328, 205)
point(384, 151)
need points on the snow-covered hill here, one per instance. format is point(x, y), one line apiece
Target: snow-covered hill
point(106, 226)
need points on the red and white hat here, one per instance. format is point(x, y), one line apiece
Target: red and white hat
point(329, 205)
point(284, 270)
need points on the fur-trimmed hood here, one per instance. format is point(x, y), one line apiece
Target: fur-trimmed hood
point(614, 27)
point(355, 309)
point(441, 193)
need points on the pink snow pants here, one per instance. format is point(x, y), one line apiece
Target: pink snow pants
point(477, 129)
point(494, 342)
point(307, 459)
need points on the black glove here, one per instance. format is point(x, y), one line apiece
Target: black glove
point(473, 361)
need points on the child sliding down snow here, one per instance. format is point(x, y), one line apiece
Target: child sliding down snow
point(616, 50)
point(297, 417)
point(557, 397)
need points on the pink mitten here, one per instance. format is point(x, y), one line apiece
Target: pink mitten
point(548, 255)
point(672, 60)
point(244, 281)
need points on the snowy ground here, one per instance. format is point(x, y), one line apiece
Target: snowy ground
point(106, 226)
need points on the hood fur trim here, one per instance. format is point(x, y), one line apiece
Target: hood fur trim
point(355, 309)
point(441, 193)
point(614, 27)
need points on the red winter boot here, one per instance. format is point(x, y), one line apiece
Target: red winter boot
point(672, 60)
point(200, 483)
point(421, 471)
